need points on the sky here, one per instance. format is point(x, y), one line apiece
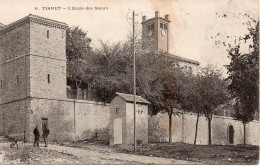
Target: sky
point(197, 30)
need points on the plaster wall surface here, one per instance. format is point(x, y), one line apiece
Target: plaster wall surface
point(141, 122)
point(184, 127)
point(119, 103)
point(87, 118)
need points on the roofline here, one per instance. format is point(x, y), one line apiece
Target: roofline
point(177, 57)
point(184, 59)
point(125, 99)
point(36, 19)
point(156, 18)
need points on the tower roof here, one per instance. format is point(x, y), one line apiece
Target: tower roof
point(157, 16)
point(36, 19)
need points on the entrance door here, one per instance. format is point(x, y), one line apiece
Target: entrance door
point(118, 131)
point(231, 134)
point(44, 123)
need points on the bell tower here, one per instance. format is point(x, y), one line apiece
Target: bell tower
point(155, 33)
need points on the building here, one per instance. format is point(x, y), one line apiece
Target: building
point(33, 84)
point(122, 119)
point(33, 88)
point(155, 36)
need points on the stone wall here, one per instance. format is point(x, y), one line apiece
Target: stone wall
point(40, 68)
point(15, 119)
point(14, 80)
point(183, 129)
point(48, 59)
point(86, 117)
point(52, 47)
point(14, 63)
point(14, 42)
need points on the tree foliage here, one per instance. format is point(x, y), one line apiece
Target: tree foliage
point(78, 50)
point(244, 77)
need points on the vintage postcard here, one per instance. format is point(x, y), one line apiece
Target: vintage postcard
point(128, 82)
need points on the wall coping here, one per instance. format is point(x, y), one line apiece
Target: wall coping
point(217, 116)
point(74, 100)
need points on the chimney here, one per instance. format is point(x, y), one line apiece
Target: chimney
point(157, 14)
point(144, 18)
point(167, 17)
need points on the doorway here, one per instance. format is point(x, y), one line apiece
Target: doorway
point(231, 134)
point(118, 131)
point(44, 123)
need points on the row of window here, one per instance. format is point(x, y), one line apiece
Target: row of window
point(162, 25)
point(18, 80)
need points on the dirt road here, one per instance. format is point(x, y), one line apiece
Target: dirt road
point(55, 154)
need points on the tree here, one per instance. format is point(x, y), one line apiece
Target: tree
point(211, 93)
point(112, 71)
point(190, 97)
point(78, 52)
point(170, 96)
point(244, 76)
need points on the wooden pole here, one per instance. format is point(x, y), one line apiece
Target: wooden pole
point(134, 80)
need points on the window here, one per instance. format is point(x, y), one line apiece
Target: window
point(1, 84)
point(161, 25)
point(48, 78)
point(165, 26)
point(48, 33)
point(152, 26)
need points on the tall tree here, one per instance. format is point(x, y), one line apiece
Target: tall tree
point(170, 96)
point(212, 93)
point(244, 76)
point(190, 90)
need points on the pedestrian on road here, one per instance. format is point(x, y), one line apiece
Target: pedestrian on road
point(45, 135)
point(36, 136)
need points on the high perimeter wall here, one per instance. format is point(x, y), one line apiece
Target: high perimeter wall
point(69, 119)
point(183, 129)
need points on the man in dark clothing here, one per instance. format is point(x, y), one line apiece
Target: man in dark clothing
point(36, 136)
point(45, 135)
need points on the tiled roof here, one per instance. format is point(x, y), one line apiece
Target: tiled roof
point(173, 56)
point(130, 98)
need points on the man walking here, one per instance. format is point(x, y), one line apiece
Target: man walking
point(36, 136)
point(45, 135)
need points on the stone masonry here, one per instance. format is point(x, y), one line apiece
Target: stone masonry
point(33, 84)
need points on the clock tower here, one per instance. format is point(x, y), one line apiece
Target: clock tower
point(155, 33)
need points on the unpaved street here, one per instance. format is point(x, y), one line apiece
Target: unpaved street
point(92, 154)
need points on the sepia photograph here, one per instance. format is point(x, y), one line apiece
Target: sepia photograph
point(129, 82)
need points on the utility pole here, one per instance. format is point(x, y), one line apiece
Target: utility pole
point(132, 21)
point(134, 81)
